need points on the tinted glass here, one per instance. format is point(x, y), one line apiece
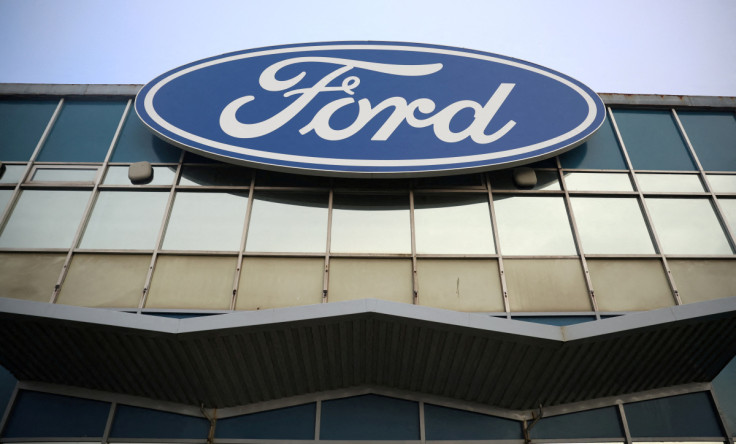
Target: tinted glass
point(531, 225)
point(12, 173)
point(653, 140)
point(504, 180)
point(288, 222)
point(22, 122)
point(137, 143)
point(677, 416)
point(454, 223)
point(672, 183)
point(725, 391)
point(611, 225)
point(45, 415)
point(687, 226)
point(370, 417)
point(555, 320)
point(206, 221)
point(287, 423)
point(713, 136)
point(64, 175)
point(371, 224)
point(83, 132)
point(118, 175)
point(598, 182)
point(135, 422)
point(44, 219)
point(219, 175)
point(601, 151)
point(443, 423)
point(598, 423)
point(125, 220)
point(7, 385)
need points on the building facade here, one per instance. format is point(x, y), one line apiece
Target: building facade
point(220, 303)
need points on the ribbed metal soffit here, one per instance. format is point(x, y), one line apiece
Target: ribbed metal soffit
point(243, 358)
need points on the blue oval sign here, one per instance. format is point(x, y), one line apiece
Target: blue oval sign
point(370, 108)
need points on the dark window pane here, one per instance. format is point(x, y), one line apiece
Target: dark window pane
point(555, 320)
point(713, 136)
point(38, 415)
point(287, 423)
point(137, 143)
point(7, 385)
point(22, 123)
point(653, 140)
point(689, 415)
point(725, 388)
point(83, 132)
point(598, 423)
point(370, 417)
point(135, 422)
point(601, 151)
point(444, 423)
point(220, 175)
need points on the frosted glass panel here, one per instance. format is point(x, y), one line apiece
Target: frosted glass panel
point(122, 285)
point(274, 282)
point(389, 279)
point(546, 285)
point(192, 282)
point(29, 276)
point(630, 284)
point(462, 285)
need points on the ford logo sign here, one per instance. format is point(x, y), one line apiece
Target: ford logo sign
point(370, 109)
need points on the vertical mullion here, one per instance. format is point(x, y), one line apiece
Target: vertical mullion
point(624, 422)
point(243, 241)
point(494, 227)
point(328, 246)
point(643, 205)
point(108, 424)
point(415, 282)
point(704, 177)
point(161, 233)
point(721, 418)
point(578, 241)
point(317, 419)
point(9, 408)
point(4, 216)
point(422, 423)
point(90, 204)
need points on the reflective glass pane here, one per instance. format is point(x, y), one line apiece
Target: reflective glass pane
point(137, 143)
point(531, 225)
point(83, 132)
point(286, 222)
point(371, 224)
point(676, 416)
point(504, 180)
point(192, 282)
point(125, 220)
point(369, 417)
point(453, 223)
point(611, 225)
point(288, 423)
point(7, 385)
point(724, 386)
point(445, 424)
point(461, 285)
point(44, 219)
point(672, 183)
point(12, 173)
point(728, 206)
point(64, 175)
point(118, 175)
point(206, 221)
point(601, 151)
point(559, 321)
point(598, 182)
point(122, 286)
point(597, 423)
point(687, 226)
point(388, 279)
point(22, 122)
point(546, 285)
point(136, 422)
point(5, 196)
point(230, 176)
point(272, 282)
point(713, 136)
point(653, 140)
point(721, 183)
point(29, 276)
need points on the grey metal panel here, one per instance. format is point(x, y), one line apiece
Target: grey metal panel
point(247, 358)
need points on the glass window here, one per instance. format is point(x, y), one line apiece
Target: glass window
point(546, 285)
point(125, 220)
point(288, 423)
point(12, 173)
point(713, 136)
point(630, 284)
point(121, 285)
point(139, 423)
point(597, 423)
point(206, 221)
point(670, 183)
point(687, 226)
point(598, 182)
point(453, 223)
point(41, 415)
point(389, 279)
point(286, 222)
point(5, 196)
point(192, 282)
point(728, 206)
point(369, 417)
point(678, 416)
point(371, 224)
point(611, 225)
point(137, 143)
point(601, 151)
point(532, 225)
point(118, 175)
point(272, 282)
point(653, 140)
point(703, 279)
point(29, 276)
point(722, 183)
point(219, 175)
point(724, 386)
point(44, 219)
point(559, 321)
point(64, 175)
point(504, 180)
point(7, 385)
point(83, 132)
point(461, 285)
point(445, 424)
point(22, 122)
